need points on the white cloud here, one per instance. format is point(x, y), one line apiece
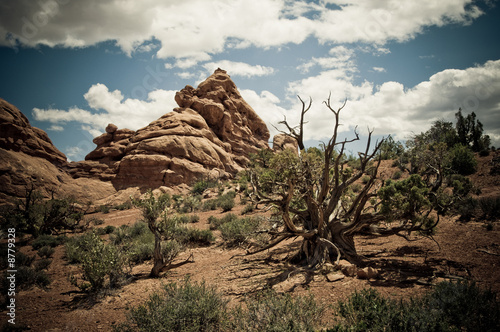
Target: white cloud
point(239, 68)
point(341, 58)
point(56, 128)
point(379, 69)
point(191, 30)
point(394, 109)
point(73, 153)
point(266, 105)
point(111, 107)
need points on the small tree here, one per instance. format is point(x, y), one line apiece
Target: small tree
point(155, 214)
point(470, 132)
point(312, 192)
point(327, 202)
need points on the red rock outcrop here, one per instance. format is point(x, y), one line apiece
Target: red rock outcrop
point(284, 141)
point(211, 133)
point(28, 157)
point(18, 135)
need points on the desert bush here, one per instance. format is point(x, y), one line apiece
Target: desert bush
point(248, 208)
point(193, 236)
point(140, 248)
point(216, 222)
point(463, 161)
point(198, 307)
point(209, 205)
point(100, 262)
point(489, 207)
point(238, 231)
point(27, 276)
point(458, 306)
point(185, 307)
point(24, 260)
point(194, 218)
point(202, 184)
point(225, 202)
point(270, 311)
point(104, 209)
point(48, 240)
point(109, 229)
point(124, 206)
point(42, 264)
point(191, 204)
point(45, 252)
point(36, 216)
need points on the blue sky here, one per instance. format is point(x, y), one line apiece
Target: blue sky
point(74, 66)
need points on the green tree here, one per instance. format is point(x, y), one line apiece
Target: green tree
point(162, 225)
point(470, 132)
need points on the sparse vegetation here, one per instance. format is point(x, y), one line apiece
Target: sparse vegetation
point(198, 307)
point(458, 306)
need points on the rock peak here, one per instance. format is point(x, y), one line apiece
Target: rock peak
point(211, 133)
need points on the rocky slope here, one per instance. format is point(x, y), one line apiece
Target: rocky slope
point(210, 134)
point(28, 158)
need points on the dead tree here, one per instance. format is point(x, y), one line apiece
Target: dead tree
point(314, 194)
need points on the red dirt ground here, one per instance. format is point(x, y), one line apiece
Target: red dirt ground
point(466, 250)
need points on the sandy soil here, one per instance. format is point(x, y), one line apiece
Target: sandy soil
point(461, 250)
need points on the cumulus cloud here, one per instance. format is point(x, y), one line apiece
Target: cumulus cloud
point(111, 107)
point(239, 68)
point(392, 108)
point(191, 30)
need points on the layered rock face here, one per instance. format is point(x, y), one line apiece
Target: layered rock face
point(28, 158)
point(18, 135)
point(211, 133)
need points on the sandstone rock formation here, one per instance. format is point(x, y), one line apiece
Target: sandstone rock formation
point(211, 133)
point(18, 135)
point(28, 157)
point(283, 141)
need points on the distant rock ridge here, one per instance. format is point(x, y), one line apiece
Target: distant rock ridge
point(18, 135)
point(29, 159)
point(211, 133)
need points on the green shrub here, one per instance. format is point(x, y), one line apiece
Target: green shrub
point(226, 203)
point(216, 222)
point(209, 205)
point(141, 248)
point(194, 218)
point(191, 204)
point(35, 215)
point(238, 231)
point(463, 160)
point(100, 262)
point(201, 185)
point(490, 207)
point(46, 252)
point(270, 311)
point(185, 307)
point(187, 235)
point(42, 264)
point(124, 206)
point(109, 229)
point(95, 221)
point(24, 260)
point(458, 306)
point(248, 208)
point(26, 277)
point(48, 240)
point(104, 209)
point(397, 175)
